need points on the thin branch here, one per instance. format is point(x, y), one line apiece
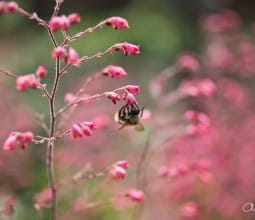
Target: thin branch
point(83, 33)
point(80, 100)
point(8, 73)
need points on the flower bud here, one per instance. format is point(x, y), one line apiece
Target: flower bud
point(76, 131)
point(118, 172)
point(11, 7)
point(41, 71)
point(10, 143)
point(127, 49)
point(117, 23)
point(74, 18)
point(122, 163)
point(114, 71)
point(135, 195)
point(112, 96)
point(133, 89)
point(129, 98)
point(72, 57)
point(58, 52)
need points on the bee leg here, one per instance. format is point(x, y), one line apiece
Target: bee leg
point(122, 126)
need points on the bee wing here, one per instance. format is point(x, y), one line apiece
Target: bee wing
point(139, 126)
point(116, 117)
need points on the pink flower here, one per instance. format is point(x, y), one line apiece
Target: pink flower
point(188, 62)
point(91, 125)
point(18, 139)
point(122, 163)
point(198, 87)
point(127, 48)
point(65, 23)
point(118, 172)
point(55, 23)
point(76, 131)
point(74, 18)
point(11, 7)
point(129, 98)
point(22, 83)
point(27, 137)
point(59, 23)
point(86, 130)
point(41, 71)
point(133, 89)
point(69, 97)
point(190, 210)
point(25, 82)
point(114, 71)
point(10, 143)
point(72, 57)
point(135, 195)
point(58, 52)
point(112, 96)
point(117, 23)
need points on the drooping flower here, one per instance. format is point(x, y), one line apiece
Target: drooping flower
point(117, 23)
point(127, 48)
point(114, 71)
point(136, 195)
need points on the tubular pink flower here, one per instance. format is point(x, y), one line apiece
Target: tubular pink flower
point(72, 57)
point(27, 137)
point(74, 18)
point(121, 163)
point(114, 71)
point(127, 48)
point(65, 23)
point(25, 82)
point(11, 7)
point(133, 89)
point(118, 172)
point(41, 71)
point(91, 125)
point(56, 23)
point(86, 130)
point(112, 96)
point(136, 195)
point(76, 131)
point(117, 23)
point(129, 98)
point(22, 83)
point(10, 143)
point(58, 52)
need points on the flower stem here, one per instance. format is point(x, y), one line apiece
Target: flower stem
point(50, 148)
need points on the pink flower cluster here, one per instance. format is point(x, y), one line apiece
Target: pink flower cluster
point(81, 129)
point(31, 80)
point(63, 22)
point(70, 56)
point(18, 139)
point(188, 62)
point(118, 169)
point(200, 122)
point(198, 87)
point(9, 7)
point(128, 96)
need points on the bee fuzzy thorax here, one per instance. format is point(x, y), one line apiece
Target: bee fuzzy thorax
point(129, 115)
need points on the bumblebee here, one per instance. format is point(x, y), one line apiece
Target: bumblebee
point(130, 115)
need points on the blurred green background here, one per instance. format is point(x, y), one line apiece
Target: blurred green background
point(163, 29)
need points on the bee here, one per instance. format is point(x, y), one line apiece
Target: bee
point(130, 115)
